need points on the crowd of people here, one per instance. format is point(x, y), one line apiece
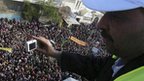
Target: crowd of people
point(21, 65)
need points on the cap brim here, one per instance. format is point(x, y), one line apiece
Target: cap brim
point(109, 5)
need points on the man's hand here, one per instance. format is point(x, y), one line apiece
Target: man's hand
point(45, 46)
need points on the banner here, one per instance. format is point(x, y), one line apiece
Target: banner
point(6, 49)
point(80, 42)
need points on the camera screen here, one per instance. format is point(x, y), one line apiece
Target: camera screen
point(32, 46)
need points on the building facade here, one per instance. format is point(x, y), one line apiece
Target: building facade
point(10, 9)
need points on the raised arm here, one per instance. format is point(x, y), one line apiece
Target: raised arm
point(86, 66)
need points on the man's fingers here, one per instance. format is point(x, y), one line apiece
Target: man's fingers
point(41, 39)
point(35, 37)
point(41, 50)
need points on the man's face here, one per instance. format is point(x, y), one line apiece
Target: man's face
point(123, 32)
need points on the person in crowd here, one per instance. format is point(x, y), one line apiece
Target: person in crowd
point(20, 65)
point(122, 29)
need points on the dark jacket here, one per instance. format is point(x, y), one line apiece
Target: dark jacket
point(96, 68)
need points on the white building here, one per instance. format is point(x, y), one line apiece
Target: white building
point(75, 5)
point(57, 3)
point(83, 14)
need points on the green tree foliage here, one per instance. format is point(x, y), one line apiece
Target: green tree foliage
point(52, 14)
point(41, 8)
point(30, 11)
point(48, 10)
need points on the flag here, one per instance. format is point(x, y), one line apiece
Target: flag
point(6, 49)
point(80, 42)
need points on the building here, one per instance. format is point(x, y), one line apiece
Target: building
point(10, 9)
point(56, 2)
point(82, 13)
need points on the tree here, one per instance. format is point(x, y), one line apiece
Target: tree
point(48, 10)
point(41, 8)
point(30, 11)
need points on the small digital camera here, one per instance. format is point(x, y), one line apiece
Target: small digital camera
point(31, 45)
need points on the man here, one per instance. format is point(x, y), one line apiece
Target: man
point(122, 28)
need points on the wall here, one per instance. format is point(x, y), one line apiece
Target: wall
point(10, 9)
